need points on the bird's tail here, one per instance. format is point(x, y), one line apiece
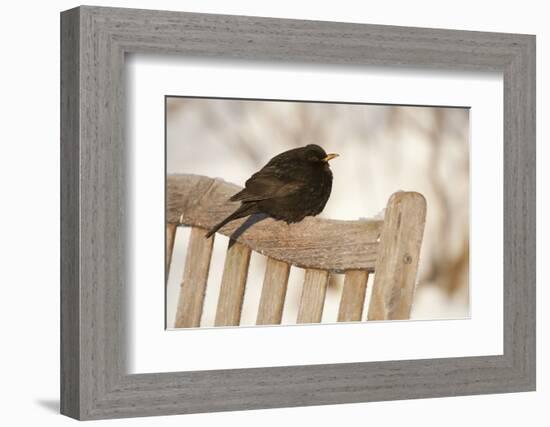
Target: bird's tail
point(242, 211)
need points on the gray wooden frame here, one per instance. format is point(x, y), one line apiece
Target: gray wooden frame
point(94, 382)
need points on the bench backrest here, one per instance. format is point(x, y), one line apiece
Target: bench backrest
point(389, 248)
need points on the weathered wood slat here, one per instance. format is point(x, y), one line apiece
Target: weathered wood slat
point(313, 296)
point(274, 288)
point(312, 243)
point(171, 229)
point(195, 277)
point(233, 284)
point(399, 252)
point(353, 296)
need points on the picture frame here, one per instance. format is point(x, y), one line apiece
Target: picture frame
point(94, 381)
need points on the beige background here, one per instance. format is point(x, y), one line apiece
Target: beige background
point(382, 149)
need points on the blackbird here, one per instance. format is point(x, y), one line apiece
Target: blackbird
point(291, 186)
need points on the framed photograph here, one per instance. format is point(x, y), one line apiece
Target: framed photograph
point(261, 213)
point(381, 148)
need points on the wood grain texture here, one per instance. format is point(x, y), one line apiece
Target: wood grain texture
point(171, 229)
point(398, 256)
point(312, 243)
point(231, 297)
point(71, 390)
point(353, 296)
point(312, 300)
point(520, 213)
point(272, 300)
point(195, 278)
point(95, 381)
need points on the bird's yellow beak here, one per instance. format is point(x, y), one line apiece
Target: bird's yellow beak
point(330, 157)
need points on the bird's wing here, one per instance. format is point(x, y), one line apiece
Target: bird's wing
point(268, 183)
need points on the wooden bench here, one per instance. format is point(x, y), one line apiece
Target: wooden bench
point(389, 248)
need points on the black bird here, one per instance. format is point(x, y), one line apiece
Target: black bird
point(291, 186)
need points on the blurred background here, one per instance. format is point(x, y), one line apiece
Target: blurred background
point(383, 149)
